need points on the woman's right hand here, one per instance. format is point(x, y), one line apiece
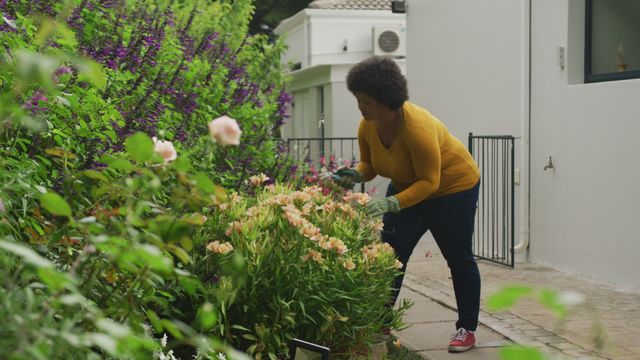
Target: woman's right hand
point(347, 177)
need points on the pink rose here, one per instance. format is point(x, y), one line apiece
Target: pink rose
point(225, 130)
point(165, 149)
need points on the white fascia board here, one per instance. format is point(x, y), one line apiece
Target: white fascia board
point(291, 23)
point(314, 15)
point(309, 77)
point(334, 13)
point(317, 75)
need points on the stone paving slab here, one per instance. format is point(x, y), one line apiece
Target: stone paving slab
point(473, 354)
point(615, 312)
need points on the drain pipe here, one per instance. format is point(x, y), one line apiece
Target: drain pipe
point(525, 189)
point(524, 241)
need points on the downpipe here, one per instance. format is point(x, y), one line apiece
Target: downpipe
point(523, 244)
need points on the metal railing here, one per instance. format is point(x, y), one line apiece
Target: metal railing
point(494, 233)
point(312, 149)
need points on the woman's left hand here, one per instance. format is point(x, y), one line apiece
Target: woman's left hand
point(379, 207)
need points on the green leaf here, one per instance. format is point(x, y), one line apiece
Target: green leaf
point(27, 254)
point(55, 204)
point(96, 175)
point(182, 255)
point(153, 257)
point(550, 300)
point(507, 297)
point(113, 328)
point(155, 321)
point(204, 183)
point(189, 284)
point(139, 146)
point(92, 72)
point(195, 219)
point(35, 67)
point(54, 279)
point(172, 329)
point(105, 342)
point(121, 165)
point(207, 316)
point(518, 352)
point(182, 164)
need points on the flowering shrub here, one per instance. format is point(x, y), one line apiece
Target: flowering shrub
point(314, 269)
point(113, 259)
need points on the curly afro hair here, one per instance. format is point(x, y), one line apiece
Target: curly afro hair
point(381, 79)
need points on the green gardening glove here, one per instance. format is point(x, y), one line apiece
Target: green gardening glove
point(379, 207)
point(346, 177)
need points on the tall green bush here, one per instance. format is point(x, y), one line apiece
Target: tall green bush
point(169, 68)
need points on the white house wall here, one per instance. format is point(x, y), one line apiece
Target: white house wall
point(467, 63)
point(327, 32)
point(297, 41)
point(584, 212)
point(332, 30)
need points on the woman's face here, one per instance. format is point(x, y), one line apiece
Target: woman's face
point(371, 109)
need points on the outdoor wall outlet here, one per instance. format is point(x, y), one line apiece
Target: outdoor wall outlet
point(516, 176)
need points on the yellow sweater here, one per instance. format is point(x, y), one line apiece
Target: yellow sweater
point(425, 160)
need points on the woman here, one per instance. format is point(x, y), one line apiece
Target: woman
point(434, 182)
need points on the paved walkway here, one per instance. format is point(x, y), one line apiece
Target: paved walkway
point(606, 311)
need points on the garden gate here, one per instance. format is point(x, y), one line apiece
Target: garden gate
point(493, 238)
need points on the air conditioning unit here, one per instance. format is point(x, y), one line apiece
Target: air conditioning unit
point(389, 41)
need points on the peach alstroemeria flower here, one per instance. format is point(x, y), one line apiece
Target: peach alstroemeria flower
point(219, 248)
point(335, 244)
point(257, 180)
point(234, 227)
point(349, 265)
point(309, 230)
point(313, 255)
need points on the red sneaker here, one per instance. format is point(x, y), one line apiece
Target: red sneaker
point(461, 341)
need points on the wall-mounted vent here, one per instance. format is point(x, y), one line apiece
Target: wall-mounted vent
point(389, 41)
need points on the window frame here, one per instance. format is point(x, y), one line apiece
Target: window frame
point(589, 77)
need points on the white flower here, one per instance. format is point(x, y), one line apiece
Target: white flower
point(225, 130)
point(164, 149)
point(163, 341)
point(222, 356)
point(571, 298)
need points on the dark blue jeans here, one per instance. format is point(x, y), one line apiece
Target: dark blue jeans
point(450, 219)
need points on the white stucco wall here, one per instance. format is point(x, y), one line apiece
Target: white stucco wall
point(326, 32)
point(468, 63)
point(583, 213)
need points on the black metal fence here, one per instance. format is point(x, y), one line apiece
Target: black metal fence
point(312, 150)
point(494, 234)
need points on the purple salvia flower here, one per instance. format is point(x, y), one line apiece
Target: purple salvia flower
point(33, 103)
point(62, 70)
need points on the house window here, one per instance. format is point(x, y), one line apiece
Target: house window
point(612, 47)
